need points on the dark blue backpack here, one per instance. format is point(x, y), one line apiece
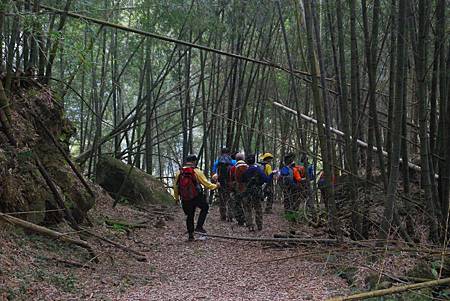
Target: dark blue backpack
point(223, 168)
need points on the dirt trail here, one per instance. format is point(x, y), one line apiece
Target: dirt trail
point(216, 269)
point(212, 269)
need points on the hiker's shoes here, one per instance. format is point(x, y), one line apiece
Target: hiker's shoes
point(200, 230)
point(191, 237)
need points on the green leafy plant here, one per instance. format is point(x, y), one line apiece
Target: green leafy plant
point(292, 216)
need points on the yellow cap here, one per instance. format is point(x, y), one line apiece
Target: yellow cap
point(266, 156)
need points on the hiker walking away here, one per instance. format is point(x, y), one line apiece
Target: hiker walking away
point(254, 178)
point(268, 188)
point(221, 168)
point(188, 187)
point(236, 173)
point(289, 179)
point(302, 183)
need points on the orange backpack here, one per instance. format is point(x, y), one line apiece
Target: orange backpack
point(301, 171)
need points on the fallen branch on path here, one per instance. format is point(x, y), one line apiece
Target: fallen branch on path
point(126, 224)
point(269, 239)
point(46, 231)
point(138, 255)
point(392, 290)
point(72, 263)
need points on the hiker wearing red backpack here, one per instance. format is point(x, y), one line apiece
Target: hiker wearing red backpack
point(188, 187)
point(238, 188)
point(222, 168)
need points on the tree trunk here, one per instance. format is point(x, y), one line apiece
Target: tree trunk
point(390, 198)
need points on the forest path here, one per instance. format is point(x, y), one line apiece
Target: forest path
point(216, 269)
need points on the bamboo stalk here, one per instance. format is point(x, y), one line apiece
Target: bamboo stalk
point(340, 133)
point(46, 231)
point(392, 290)
point(270, 239)
point(65, 155)
point(138, 255)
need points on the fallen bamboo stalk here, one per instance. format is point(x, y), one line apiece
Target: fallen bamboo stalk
point(392, 290)
point(59, 199)
point(138, 255)
point(125, 224)
point(340, 133)
point(46, 231)
point(270, 239)
point(72, 263)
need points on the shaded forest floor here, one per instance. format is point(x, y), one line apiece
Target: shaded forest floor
point(38, 268)
point(212, 269)
point(216, 269)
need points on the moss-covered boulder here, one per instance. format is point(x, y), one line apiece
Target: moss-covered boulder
point(23, 190)
point(123, 181)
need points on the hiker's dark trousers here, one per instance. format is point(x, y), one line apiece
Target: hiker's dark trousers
point(189, 209)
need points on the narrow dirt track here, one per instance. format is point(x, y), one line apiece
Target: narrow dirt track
point(216, 269)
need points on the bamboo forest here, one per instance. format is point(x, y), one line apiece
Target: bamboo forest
point(225, 150)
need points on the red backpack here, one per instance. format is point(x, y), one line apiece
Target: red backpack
point(188, 184)
point(239, 171)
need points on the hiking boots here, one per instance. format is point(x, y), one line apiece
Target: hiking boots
point(191, 237)
point(200, 230)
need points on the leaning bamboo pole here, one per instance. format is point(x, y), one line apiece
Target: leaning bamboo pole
point(341, 134)
point(46, 231)
point(393, 290)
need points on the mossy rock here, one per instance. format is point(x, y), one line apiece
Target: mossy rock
point(134, 185)
point(22, 187)
point(24, 193)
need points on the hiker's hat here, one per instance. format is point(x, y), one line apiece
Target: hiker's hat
point(191, 158)
point(250, 159)
point(266, 156)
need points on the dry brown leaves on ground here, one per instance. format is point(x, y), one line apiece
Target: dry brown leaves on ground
point(176, 269)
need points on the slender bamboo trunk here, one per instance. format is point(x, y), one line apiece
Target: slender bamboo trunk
point(390, 199)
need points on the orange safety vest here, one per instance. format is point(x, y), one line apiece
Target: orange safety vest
point(301, 171)
point(297, 175)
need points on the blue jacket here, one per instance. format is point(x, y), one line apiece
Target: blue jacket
point(250, 172)
point(311, 172)
point(286, 172)
point(214, 168)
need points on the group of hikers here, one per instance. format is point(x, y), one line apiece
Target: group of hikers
point(242, 185)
